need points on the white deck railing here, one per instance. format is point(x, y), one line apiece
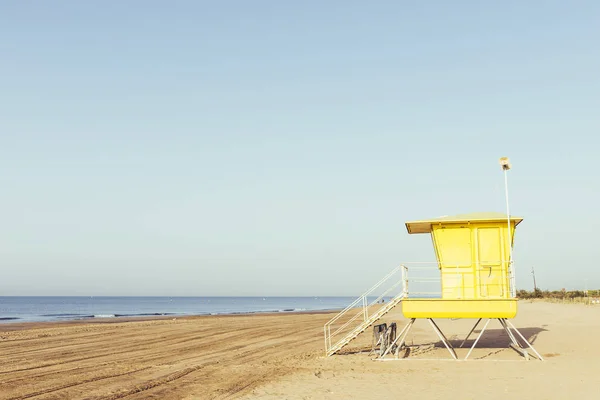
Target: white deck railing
point(425, 279)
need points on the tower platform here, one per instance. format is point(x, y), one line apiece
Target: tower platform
point(459, 308)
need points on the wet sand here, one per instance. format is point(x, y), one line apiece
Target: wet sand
point(280, 356)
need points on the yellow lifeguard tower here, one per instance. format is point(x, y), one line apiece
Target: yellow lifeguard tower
point(476, 271)
point(473, 256)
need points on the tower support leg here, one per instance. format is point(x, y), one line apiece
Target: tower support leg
point(478, 337)
point(525, 340)
point(515, 345)
point(443, 339)
point(469, 335)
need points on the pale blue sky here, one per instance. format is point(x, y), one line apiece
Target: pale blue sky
point(278, 147)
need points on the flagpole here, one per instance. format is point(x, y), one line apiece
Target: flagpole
point(505, 164)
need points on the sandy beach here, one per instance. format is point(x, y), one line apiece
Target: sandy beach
point(280, 356)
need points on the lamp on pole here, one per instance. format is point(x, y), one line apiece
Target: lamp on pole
point(505, 164)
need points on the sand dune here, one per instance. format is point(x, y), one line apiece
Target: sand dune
point(281, 357)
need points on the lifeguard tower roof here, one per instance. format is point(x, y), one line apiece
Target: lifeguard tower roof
point(425, 226)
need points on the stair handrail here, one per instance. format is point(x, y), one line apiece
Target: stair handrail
point(357, 330)
point(377, 300)
point(341, 328)
point(361, 299)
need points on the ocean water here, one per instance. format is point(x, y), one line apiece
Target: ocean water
point(35, 309)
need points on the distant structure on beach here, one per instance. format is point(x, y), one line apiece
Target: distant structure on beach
point(474, 271)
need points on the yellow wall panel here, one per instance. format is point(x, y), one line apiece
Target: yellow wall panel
point(454, 246)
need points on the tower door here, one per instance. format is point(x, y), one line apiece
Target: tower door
point(490, 267)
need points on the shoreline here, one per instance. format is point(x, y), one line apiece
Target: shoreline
point(26, 309)
point(23, 325)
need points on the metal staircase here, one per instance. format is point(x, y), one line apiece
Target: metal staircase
point(352, 324)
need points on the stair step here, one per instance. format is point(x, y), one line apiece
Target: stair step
point(363, 326)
